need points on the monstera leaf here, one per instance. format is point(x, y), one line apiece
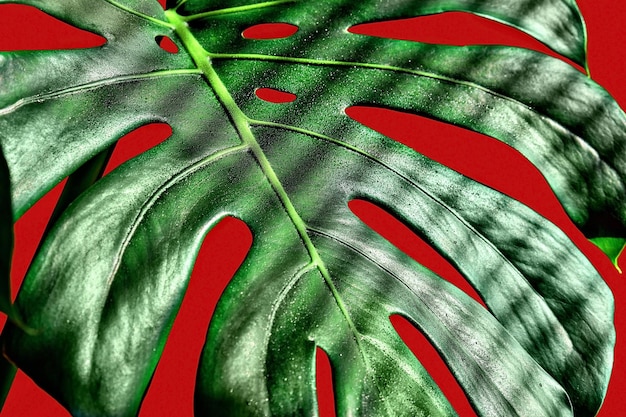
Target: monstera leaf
point(103, 290)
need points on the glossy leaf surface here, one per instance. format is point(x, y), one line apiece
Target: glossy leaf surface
point(107, 283)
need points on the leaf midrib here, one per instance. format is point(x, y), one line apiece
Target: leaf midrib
point(435, 199)
point(242, 125)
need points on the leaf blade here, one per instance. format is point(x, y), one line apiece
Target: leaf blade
point(251, 180)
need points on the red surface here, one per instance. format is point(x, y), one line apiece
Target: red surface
point(274, 96)
point(265, 31)
point(167, 44)
point(489, 161)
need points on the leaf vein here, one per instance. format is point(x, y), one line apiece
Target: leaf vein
point(147, 205)
point(139, 14)
point(281, 296)
point(236, 9)
point(241, 123)
point(40, 98)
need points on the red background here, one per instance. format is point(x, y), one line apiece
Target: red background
point(481, 158)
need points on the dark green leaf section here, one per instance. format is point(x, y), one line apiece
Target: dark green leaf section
point(107, 283)
point(7, 370)
point(557, 23)
point(6, 237)
point(7, 375)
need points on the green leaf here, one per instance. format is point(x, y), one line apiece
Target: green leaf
point(612, 246)
point(107, 282)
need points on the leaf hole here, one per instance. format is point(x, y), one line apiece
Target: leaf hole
point(267, 31)
point(402, 237)
point(272, 95)
point(468, 29)
point(482, 158)
point(137, 142)
point(324, 384)
point(27, 399)
point(167, 44)
point(223, 250)
point(39, 31)
point(434, 364)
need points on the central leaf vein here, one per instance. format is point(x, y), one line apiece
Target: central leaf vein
point(242, 123)
point(451, 335)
